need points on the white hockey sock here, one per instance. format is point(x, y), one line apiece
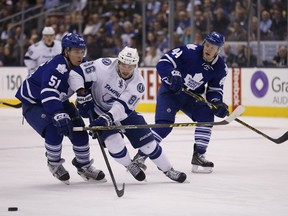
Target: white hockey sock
point(115, 144)
point(161, 161)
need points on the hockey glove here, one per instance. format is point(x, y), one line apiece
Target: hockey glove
point(176, 82)
point(222, 110)
point(63, 124)
point(103, 120)
point(84, 103)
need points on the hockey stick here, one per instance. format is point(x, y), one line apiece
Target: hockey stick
point(19, 105)
point(236, 113)
point(279, 140)
point(119, 193)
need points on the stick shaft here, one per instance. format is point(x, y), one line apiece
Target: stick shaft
point(279, 140)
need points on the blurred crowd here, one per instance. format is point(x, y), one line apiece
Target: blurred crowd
point(108, 26)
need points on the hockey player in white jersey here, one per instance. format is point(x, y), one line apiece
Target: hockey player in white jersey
point(117, 87)
point(43, 50)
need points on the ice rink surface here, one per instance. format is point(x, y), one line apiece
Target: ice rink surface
point(250, 176)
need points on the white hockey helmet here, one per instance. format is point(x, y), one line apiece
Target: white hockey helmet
point(129, 56)
point(48, 30)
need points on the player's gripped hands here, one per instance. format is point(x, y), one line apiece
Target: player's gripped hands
point(103, 120)
point(84, 103)
point(63, 124)
point(176, 82)
point(222, 109)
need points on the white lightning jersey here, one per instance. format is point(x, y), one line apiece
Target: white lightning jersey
point(39, 53)
point(110, 92)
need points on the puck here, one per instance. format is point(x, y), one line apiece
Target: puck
point(12, 209)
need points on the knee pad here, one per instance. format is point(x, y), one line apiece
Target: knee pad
point(115, 143)
point(152, 150)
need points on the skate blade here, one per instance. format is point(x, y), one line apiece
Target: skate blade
point(200, 169)
point(67, 182)
point(94, 180)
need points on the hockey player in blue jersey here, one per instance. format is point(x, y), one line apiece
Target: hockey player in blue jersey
point(116, 91)
point(46, 107)
point(199, 69)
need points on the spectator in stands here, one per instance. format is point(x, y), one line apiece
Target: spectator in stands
point(237, 32)
point(11, 52)
point(220, 22)
point(254, 29)
point(265, 26)
point(200, 22)
point(71, 25)
point(128, 33)
point(61, 32)
point(279, 25)
point(94, 47)
point(152, 56)
point(251, 58)
point(244, 57)
point(162, 42)
point(182, 22)
point(93, 25)
point(280, 60)
point(241, 59)
point(228, 56)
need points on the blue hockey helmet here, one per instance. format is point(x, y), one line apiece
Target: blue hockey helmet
point(72, 40)
point(215, 39)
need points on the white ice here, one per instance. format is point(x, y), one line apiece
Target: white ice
point(250, 175)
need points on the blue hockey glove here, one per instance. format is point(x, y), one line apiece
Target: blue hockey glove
point(103, 120)
point(222, 110)
point(84, 103)
point(63, 123)
point(176, 82)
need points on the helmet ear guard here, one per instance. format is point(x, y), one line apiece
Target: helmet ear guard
point(128, 56)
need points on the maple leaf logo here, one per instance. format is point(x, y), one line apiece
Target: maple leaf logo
point(61, 68)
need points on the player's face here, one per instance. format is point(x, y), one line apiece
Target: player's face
point(209, 51)
point(125, 70)
point(48, 39)
point(76, 55)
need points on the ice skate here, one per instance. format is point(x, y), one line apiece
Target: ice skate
point(176, 175)
point(136, 171)
point(200, 164)
point(88, 172)
point(140, 161)
point(58, 171)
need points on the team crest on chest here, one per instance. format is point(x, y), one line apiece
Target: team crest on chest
point(193, 82)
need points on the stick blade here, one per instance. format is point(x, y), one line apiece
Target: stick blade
point(235, 114)
point(120, 193)
point(281, 139)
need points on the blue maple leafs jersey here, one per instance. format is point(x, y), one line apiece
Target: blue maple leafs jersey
point(47, 86)
point(198, 75)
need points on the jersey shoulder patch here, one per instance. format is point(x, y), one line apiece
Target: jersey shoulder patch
point(140, 88)
point(106, 61)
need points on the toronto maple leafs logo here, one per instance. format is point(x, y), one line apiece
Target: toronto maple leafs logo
point(61, 68)
point(193, 82)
